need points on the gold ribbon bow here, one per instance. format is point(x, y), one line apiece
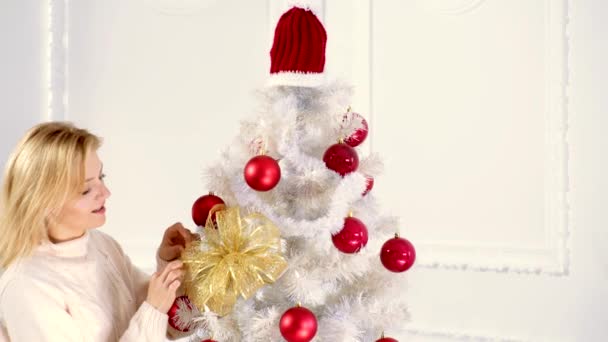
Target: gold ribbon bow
point(237, 258)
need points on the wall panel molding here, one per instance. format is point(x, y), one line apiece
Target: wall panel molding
point(551, 257)
point(57, 59)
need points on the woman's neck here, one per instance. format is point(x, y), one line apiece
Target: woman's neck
point(58, 234)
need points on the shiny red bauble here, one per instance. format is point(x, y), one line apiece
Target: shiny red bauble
point(202, 206)
point(369, 185)
point(387, 339)
point(298, 324)
point(397, 254)
point(262, 173)
point(173, 312)
point(352, 237)
point(360, 134)
point(341, 158)
point(209, 340)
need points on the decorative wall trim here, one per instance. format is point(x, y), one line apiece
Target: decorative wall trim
point(485, 258)
point(460, 335)
point(179, 7)
point(57, 59)
point(551, 256)
point(449, 7)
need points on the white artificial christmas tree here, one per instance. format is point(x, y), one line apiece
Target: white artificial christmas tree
point(314, 195)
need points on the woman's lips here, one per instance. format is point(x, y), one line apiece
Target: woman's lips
point(101, 210)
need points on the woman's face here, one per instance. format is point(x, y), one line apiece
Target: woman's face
point(88, 209)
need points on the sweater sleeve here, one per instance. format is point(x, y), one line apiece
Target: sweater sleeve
point(141, 279)
point(148, 324)
point(140, 284)
point(34, 312)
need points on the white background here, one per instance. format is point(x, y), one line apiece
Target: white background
point(490, 116)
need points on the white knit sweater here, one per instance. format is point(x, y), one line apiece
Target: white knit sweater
point(85, 289)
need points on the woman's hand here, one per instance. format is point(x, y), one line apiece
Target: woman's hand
point(163, 286)
point(175, 241)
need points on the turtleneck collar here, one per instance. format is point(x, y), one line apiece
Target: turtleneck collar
point(72, 248)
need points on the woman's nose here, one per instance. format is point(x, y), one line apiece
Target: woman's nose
point(105, 192)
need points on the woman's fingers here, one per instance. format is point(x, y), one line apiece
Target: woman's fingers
point(185, 233)
point(173, 252)
point(174, 286)
point(176, 234)
point(172, 276)
point(163, 286)
point(173, 265)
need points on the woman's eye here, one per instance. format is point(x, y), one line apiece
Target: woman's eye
point(103, 175)
point(86, 192)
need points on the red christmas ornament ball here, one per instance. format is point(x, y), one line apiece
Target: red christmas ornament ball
point(369, 185)
point(358, 135)
point(172, 313)
point(262, 173)
point(298, 324)
point(202, 206)
point(341, 158)
point(397, 254)
point(352, 237)
point(209, 340)
point(387, 339)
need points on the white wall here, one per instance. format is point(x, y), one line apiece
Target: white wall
point(165, 86)
point(166, 82)
point(23, 86)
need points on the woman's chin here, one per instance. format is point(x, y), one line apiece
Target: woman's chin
point(100, 221)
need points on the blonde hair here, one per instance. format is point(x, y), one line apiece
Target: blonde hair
point(45, 170)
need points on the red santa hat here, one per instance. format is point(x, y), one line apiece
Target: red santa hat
point(297, 57)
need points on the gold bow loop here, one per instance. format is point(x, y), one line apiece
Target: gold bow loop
point(236, 256)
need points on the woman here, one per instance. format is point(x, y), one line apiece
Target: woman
point(64, 280)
